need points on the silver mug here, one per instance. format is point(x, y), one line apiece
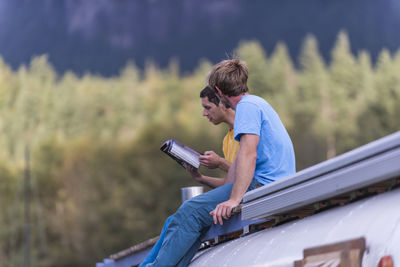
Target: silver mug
point(191, 191)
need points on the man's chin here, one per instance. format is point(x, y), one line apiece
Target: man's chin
point(214, 122)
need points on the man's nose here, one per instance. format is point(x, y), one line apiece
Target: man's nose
point(205, 113)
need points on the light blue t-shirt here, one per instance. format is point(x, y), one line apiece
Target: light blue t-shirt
point(275, 154)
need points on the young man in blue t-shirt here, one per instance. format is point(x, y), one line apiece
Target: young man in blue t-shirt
point(266, 151)
point(265, 155)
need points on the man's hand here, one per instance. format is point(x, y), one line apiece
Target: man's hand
point(210, 159)
point(223, 211)
point(196, 175)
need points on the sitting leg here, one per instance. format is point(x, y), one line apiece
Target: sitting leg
point(187, 225)
point(156, 248)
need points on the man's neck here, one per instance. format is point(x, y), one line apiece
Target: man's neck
point(230, 118)
point(234, 100)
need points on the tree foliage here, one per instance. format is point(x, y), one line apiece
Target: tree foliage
point(99, 182)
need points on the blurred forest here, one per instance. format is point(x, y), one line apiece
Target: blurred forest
point(100, 184)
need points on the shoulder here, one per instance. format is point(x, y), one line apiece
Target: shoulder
point(254, 104)
point(251, 104)
point(252, 100)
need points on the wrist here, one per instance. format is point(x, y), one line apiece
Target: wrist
point(224, 165)
point(200, 179)
point(220, 162)
point(235, 200)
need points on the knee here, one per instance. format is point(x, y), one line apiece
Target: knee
point(187, 208)
point(194, 210)
point(191, 208)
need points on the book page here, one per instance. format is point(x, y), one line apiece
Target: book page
point(186, 153)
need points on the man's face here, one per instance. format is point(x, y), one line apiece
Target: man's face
point(213, 112)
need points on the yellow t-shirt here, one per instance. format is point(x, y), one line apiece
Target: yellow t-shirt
point(230, 146)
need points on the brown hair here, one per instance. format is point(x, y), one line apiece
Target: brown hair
point(212, 96)
point(230, 76)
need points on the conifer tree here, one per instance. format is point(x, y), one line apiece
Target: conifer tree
point(282, 81)
point(256, 59)
point(309, 128)
point(384, 106)
point(344, 95)
point(8, 96)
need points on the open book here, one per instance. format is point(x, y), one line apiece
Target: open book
point(181, 153)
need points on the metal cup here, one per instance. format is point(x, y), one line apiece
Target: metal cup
point(191, 191)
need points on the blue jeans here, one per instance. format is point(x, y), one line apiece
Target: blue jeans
point(156, 248)
point(182, 232)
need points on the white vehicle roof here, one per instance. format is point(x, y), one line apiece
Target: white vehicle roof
point(377, 219)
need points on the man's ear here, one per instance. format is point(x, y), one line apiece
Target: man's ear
point(219, 90)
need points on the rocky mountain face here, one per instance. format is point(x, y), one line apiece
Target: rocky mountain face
point(100, 36)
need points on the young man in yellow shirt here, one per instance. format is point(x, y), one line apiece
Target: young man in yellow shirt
point(217, 113)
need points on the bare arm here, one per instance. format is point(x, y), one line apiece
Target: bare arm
point(212, 182)
point(230, 177)
point(224, 165)
point(245, 164)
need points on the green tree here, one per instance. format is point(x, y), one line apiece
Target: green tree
point(282, 81)
point(256, 59)
point(312, 83)
point(8, 96)
point(380, 114)
point(345, 94)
